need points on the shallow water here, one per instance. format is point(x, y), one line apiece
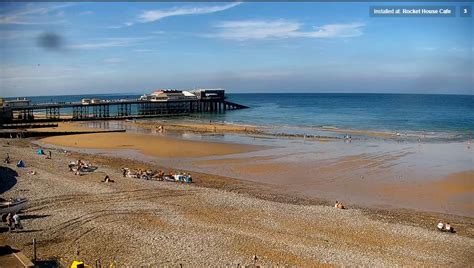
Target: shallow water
point(434, 117)
point(367, 171)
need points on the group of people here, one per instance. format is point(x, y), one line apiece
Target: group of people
point(142, 174)
point(13, 222)
point(445, 227)
point(158, 175)
point(179, 177)
point(80, 166)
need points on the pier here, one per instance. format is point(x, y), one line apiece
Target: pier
point(158, 104)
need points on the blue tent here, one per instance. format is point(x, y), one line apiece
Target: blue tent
point(21, 164)
point(40, 151)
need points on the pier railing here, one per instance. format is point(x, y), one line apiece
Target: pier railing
point(116, 109)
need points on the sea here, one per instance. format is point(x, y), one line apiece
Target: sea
point(439, 116)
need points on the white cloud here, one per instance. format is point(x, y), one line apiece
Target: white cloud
point(278, 29)
point(158, 14)
point(31, 15)
point(110, 42)
point(35, 72)
point(126, 24)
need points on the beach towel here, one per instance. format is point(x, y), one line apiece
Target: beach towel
point(21, 164)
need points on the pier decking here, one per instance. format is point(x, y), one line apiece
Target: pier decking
point(113, 109)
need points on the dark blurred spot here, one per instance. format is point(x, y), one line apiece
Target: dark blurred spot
point(50, 41)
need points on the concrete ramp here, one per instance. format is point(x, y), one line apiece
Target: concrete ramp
point(13, 258)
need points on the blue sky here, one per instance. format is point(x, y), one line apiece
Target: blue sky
point(74, 48)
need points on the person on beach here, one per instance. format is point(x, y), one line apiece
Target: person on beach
point(7, 159)
point(107, 179)
point(189, 179)
point(440, 226)
point(448, 228)
point(49, 155)
point(16, 222)
point(9, 221)
point(339, 205)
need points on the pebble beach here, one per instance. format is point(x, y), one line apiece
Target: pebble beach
point(214, 221)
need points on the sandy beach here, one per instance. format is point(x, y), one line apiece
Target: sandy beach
point(383, 173)
point(241, 203)
point(215, 221)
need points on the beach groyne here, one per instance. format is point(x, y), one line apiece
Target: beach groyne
point(20, 133)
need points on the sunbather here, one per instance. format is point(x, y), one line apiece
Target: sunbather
point(440, 226)
point(448, 228)
point(7, 159)
point(107, 179)
point(339, 205)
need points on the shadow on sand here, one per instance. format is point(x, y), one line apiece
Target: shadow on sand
point(7, 179)
point(32, 217)
point(6, 250)
point(47, 264)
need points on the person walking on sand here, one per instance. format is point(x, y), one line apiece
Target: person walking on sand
point(9, 221)
point(16, 222)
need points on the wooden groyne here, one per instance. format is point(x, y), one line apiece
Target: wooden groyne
point(20, 134)
point(29, 125)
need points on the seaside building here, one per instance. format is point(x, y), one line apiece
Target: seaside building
point(16, 103)
point(169, 95)
point(209, 93)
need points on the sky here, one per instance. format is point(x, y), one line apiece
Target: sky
point(86, 48)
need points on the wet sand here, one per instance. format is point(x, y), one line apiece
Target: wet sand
point(213, 127)
point(365, 179)
point(150, 145)
point(389, 175)
point(65, 127)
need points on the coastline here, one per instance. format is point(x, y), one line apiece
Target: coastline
point(147, 222)
point(362, 173)
point(241, 202)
